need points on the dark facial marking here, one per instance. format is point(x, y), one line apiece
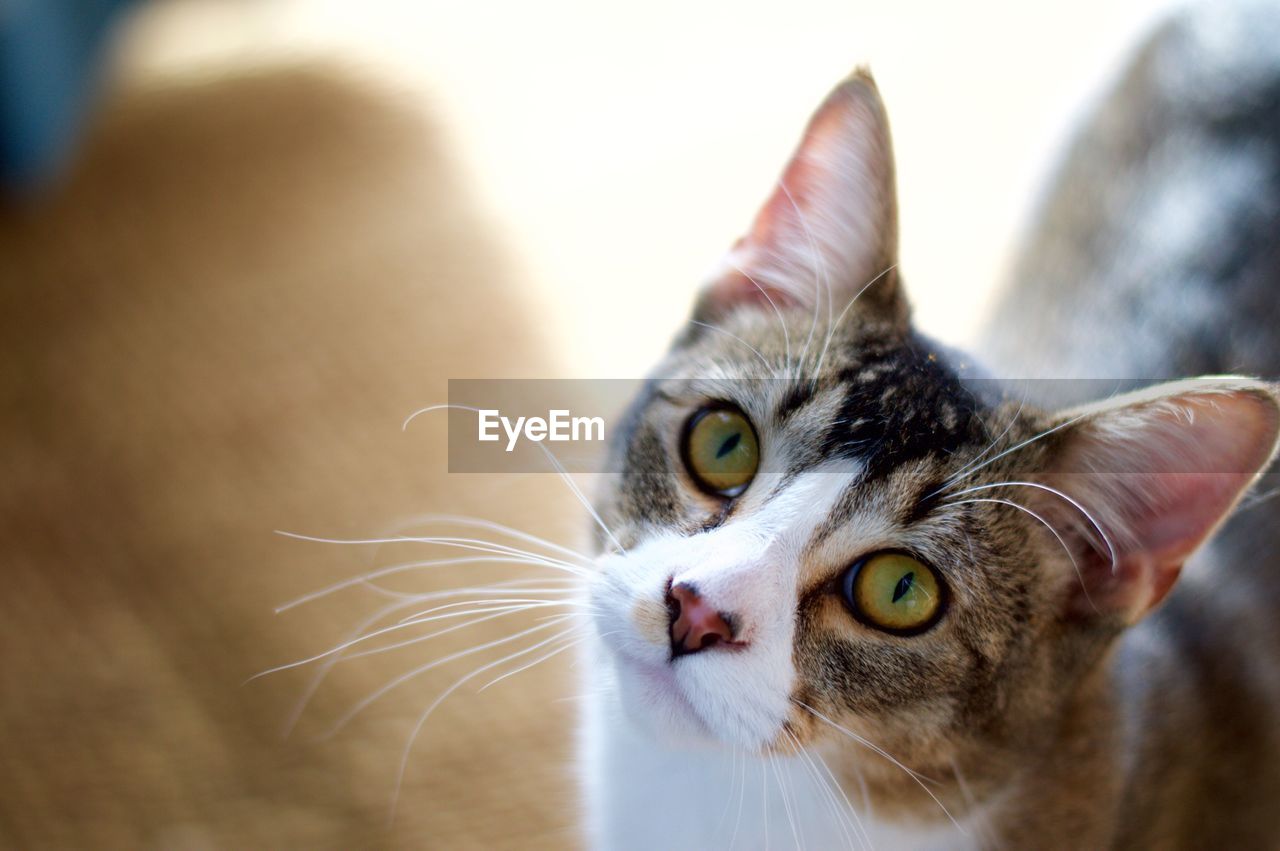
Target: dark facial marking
point(797, 396)
point(901, 404)
point(929, 497)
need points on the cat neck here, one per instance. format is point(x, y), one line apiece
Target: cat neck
point(643, 793)
point(647, 794)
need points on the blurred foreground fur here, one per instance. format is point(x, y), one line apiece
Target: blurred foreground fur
point(213, 330)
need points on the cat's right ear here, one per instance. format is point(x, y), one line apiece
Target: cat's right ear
point(828, 234)
point(1136, 484)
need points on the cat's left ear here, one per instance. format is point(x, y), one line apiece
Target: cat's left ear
point(830, 228)
point(1141, 481)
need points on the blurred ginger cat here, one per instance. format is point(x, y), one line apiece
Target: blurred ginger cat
point(212, 330)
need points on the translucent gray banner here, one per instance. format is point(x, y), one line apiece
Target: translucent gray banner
point(545, 425)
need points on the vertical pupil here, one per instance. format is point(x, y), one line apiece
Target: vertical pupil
point(904, 585)
point(730, 443)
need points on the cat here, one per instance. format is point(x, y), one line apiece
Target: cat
point(852, 593)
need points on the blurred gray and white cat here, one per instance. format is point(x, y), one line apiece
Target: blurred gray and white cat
point(856, 596)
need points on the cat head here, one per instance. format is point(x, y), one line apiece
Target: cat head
point(825, 527)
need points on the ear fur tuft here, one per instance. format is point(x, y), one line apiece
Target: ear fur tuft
point(1158, 471)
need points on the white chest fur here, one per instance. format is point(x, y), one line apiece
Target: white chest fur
point(642, 795)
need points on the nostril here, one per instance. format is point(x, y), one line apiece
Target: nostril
point(695, 625)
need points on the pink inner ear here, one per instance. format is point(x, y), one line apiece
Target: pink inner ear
point(839, 142)
point(1159, 476)
point(830, 224)
point(1195, 503)
point(1154, 523)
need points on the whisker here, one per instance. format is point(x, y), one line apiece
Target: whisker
point(742, 794)
point(328, 663)
point(422, 669)
point(478, 544)
point(728, 801)
point(475, 544)
point(312, 687)
point(786, 802)
point(1074, 503)
point(864, 836)
point(864, 789)
point(823, 788)
point(767, 366)
point(555, 462)
point(918, 778)
point(959, 474)
point(394, 627)
point(836, 324)
point(574, 643)
point(496, 548)
point(820, 279)
point(502, 529)
point(964, 787)
point(764, 803)
point(582, 498)
point(442, 406)
point(1047, 525)
point(955, 478)
point(846, 828)
point(498, 613)
point(422, 719)
point(406, 568)
point(786, 336)
point(420, 617)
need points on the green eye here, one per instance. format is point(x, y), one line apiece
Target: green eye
point(894, 592)
point(721, 451)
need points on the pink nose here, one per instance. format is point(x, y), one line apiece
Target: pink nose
point(695, 625)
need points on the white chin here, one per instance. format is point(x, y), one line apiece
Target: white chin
point(655, 704)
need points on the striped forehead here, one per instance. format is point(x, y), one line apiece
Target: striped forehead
point(885, 413)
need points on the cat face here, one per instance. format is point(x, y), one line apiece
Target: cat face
point(827, 529)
